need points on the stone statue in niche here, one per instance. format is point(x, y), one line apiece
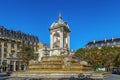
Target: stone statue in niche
point(66, 45)
point(57, 43)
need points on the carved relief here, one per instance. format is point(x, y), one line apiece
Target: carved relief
point(50, 33)
point(66, 61)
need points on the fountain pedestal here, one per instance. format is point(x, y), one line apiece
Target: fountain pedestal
point(54, 67)
point(58, 64)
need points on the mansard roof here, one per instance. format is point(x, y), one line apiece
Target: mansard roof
point(17, 35)
point(103, 41)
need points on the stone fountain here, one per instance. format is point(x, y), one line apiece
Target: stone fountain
point(58, 62)
point(54, 67)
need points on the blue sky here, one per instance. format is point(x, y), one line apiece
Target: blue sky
point(88, 19)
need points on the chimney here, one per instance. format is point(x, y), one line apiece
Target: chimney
point(112, 38)
point(94, 41)
point(105, 40)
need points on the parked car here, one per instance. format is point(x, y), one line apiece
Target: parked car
point(116, 70)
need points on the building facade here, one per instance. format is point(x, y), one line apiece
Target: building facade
point(105, 42)
point(59, 37)
point(10, 43)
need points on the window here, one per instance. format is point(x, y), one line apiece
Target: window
point(114, 43)
point(12, 45)
point(108, 44)
point(18, 46)
point(17, 62)
point(5, 50)
point(5, 55)
point(92, 45)
point(118, 42)
point(11, 62)
point(102, 44)
point(0, 44)
point(0, 51)
point(98, 44)
point(0, 33)
point(5, 44)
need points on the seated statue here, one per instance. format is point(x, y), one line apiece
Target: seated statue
point(40, 55)
point(66, 63)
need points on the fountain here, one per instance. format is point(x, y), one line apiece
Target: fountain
point(58, 62)
point(54, 67)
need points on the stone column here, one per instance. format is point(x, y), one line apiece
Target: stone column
point(51, 41)
point(24, 67)
point(2, 54)
point(9, 48)
point(61, 39)
point(19, 64)
point(68, 37)
point(14, 66)
point(8, 65)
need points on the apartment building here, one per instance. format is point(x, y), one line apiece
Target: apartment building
point(10, 43)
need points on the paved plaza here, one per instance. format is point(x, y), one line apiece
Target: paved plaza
point(112, 77)
point(4, 76)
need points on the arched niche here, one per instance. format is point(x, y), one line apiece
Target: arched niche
point(56, 40)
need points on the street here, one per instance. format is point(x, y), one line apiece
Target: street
point(3, 76)
point(112, 77)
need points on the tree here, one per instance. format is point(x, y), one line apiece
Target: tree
point(27, 54)
point(80, 53)
point(109, 54)
point(95, 58)
point(106, 56)
point(116, 61)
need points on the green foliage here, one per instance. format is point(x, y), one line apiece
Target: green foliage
point(80, 53)
point(4, 63)
point(117, 60)
point(105, 56)
point(27, 54)
point(35, 56)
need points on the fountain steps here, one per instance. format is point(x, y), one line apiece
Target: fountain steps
point(57, 64)
point(54, 67)
point(54, 70)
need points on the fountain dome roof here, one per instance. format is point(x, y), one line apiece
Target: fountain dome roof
point(59, 23)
